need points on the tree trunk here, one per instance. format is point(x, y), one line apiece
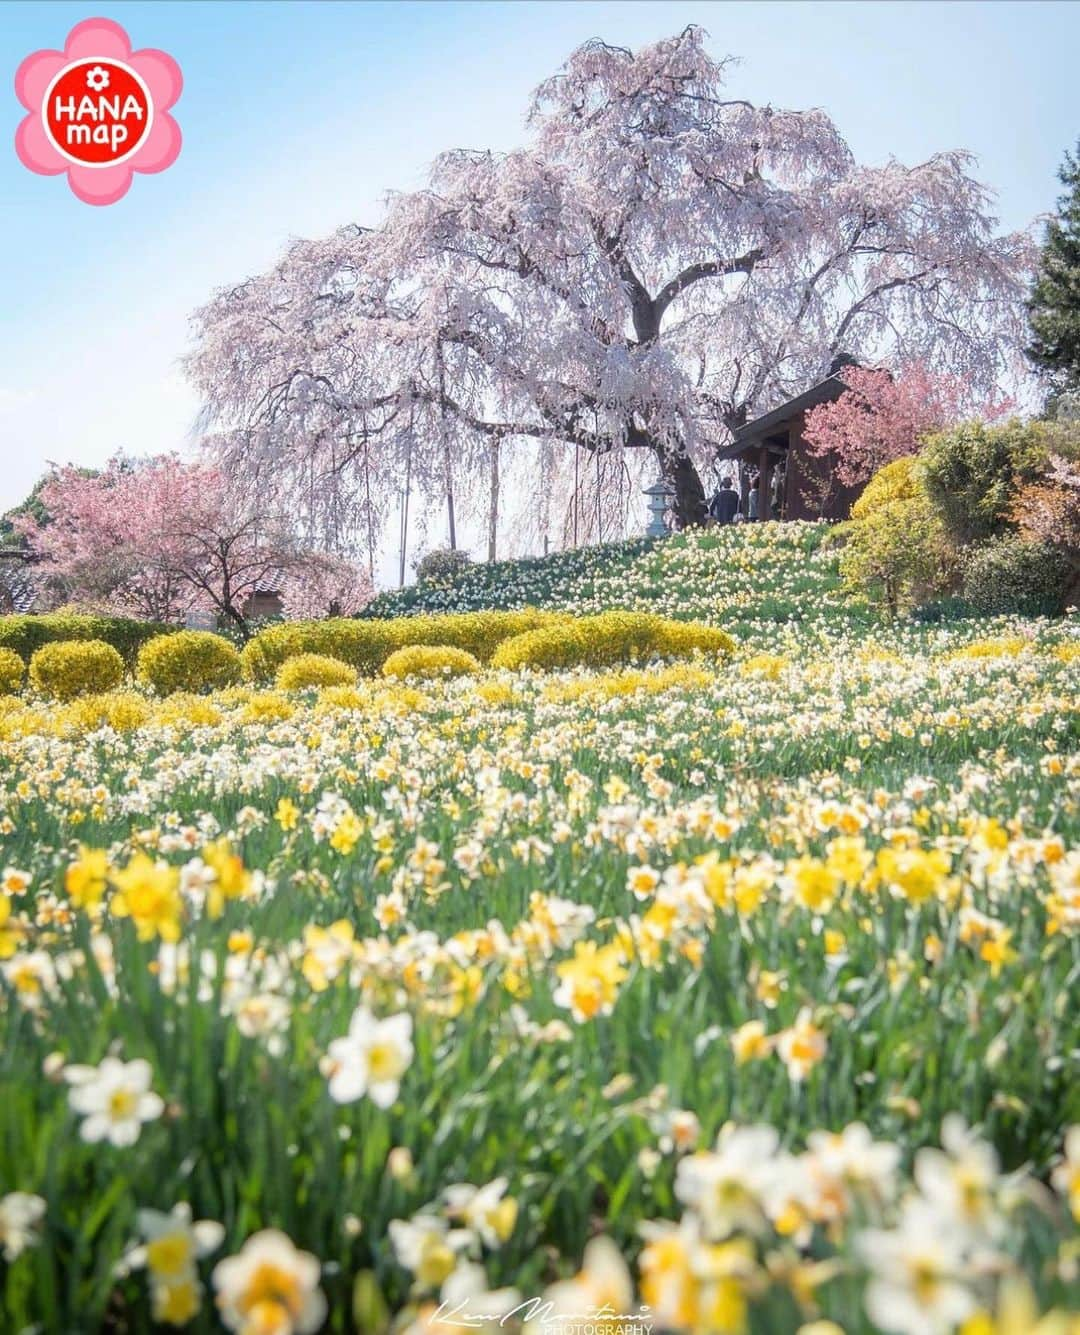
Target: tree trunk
point(493, 505)
point(689, 499)
point(450, 512)
point(447, 464)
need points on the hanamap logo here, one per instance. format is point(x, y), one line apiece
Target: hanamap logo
point(98, 111)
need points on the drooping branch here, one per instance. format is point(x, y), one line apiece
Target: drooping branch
point(576, 292)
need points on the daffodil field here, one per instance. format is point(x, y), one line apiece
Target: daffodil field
point(729, 994)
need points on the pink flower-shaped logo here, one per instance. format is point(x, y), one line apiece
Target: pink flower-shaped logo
point(98, 111)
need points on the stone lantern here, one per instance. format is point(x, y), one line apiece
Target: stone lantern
point(659, 494)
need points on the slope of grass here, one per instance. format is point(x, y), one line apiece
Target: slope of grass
point(742, 575)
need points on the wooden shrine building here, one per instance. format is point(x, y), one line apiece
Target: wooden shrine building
point(773, 457)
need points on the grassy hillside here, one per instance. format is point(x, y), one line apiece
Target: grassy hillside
point(744, 576)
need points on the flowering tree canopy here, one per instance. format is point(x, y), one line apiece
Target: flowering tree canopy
point(324, 584)
point(659, 263)
point(881, 417)
point(155, 538)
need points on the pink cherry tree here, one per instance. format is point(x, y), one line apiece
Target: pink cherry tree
point(883, 416)
point(157, 538)
point(658, 264)
point(91, 546)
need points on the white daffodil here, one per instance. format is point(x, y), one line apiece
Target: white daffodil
point(918, 1269)
point(14, 882)
point(173, 1242)
point(270, 1288)
point(370, 1059)
point(466, 1292)
point(264, 1015)
point(602, 1286)
point(727, 1186)
point(114, 1099)
point(962, 1181)
point(855, 1161)
point(801, 1047)
point(428, 1248)
point(488, 1211)
point(20, 1215)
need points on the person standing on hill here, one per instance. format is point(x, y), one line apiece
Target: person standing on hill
point(725, 504)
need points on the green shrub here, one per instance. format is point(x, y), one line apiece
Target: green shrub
point(190, 660)
point(304, 670)
point(27, 632)
point(972, 471)
point(897, 551)
point(442, 566)
point(76, 667)
point(430, 660)
point(366, 645)
point(939, 611)
point(1008, 574)
point(12, 671)
point(610, 639)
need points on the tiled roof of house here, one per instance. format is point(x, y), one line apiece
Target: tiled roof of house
point(17, 591)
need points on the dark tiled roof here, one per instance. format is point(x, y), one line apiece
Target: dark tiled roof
point(17, 591)
point(825, 391)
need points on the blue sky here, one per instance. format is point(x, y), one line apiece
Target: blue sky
point(298, 117)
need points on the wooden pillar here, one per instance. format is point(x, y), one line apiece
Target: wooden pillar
point(763, 483)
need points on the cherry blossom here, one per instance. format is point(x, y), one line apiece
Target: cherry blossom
point(883, 416)
point(658, 264)
point(158, 538)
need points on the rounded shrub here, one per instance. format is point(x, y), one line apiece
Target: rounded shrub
point(12, 671)
point(1009, 574)
point(71, 668)
point(190, 660)
point(185, 710)
point(972, 471)
point(305, 670)
point(897, 550)
point(682, 639)
point(442, 566)
point(547, 649)
point(430, 660)
point(609, 640)
point(363, 645)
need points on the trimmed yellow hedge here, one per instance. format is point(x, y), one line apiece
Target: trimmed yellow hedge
point(70, 668)
point(610, 639)
point(304, 670)
point(26, 632)
point(190, 660)
point(366, 645)
point(12, 671)
point(430, 660)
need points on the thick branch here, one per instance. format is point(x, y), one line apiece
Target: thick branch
point(694, 273)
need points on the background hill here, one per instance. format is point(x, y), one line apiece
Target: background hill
point(742, 576)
